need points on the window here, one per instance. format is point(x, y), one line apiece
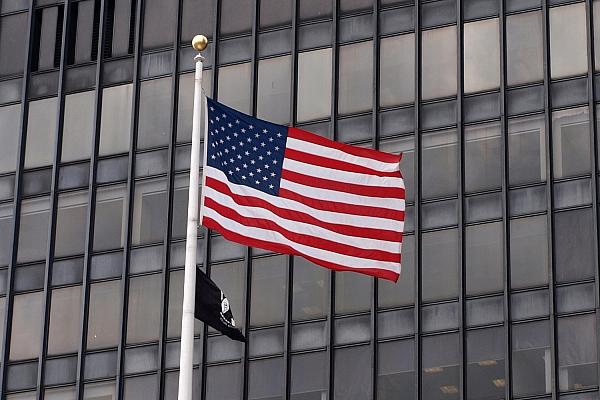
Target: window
point(33, 232)
point(438, 76)
point(104, 315)
point(353, 293)
point(47, 38)
point(308, 376)
point(71, 224)
point(314, 85)
point(111, 214)
point(397, 70)
point(236, 16)
point(528, 252)
point(154, 116)
point(485, 359)
point(441, 367)
point(231, 278)
point(78, 126)
point(160, 16)
point(10, 120)
point(6, 233)
point(531, 359)
point(439, 164)
point(185, 107)
point(526, 150)
point(355, 92)
point(143, 315)
point(577, 354)
point(396, 370)
point(568, 40)
point(27, 326)
point(13, 34)
point(175, 306)
point(65, 321)
point(483, 157)
point(41, 126)
point(84, 34)
point(265, 378)
point(524, 48)
point(352, 380)
point(115, 122)
point(481, 55)
point(121, 14)
point(275, 13)
point(571, 142)
point(99, 391)
point(440, 265)
point(310, 294)
point(406, 146)
point(149, 216)
point(234, 86)
point(274, 85)
point(196, 15)
point(485, 271)
point(224, 382)
point(140, 387)
point(402, 292)
point(573, 245)
point(268, 301)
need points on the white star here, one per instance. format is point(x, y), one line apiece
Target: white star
point(212, 122)
point(223, 128)
point(279, 135)
point(251, 174)
point(241, 143)
point(233, 147)
point(217, 118)
point(260, 157)
point(243, 176)
point(269, 152)
point(259, 170)
point(265, 131)
point(247, 153)
point(230, 172)
point(221, 141)
point(231, 160)
point(213, 157)
point(270, 186)
point(274, 161)
point(257, 182)
point(256, 135)
point(271, 139)
point(263, 144)
point(277, 148)
point(224, 116)
point(248, 140)
point(237, 169)
point(235, 134)
point(230, 125)
point(239, 156)
point(266, 166)
point(272, 173)
point(245, 165)
point(255, 148)
point(226, 151)
point(228, 138)
point(252, 162)
point(243, 130)
point(212, 108)
point(251, 126)
point(264, 178)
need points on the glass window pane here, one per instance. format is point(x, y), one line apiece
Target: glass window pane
point(175, 306)
point(396, 370)
point(65, 321)
point(160, 16)
point(439, 163)
point(528, 252)
point(310, 293)
point(265, 380)
point(406, 146)
point(309, 376)
point(524, 49)
point(10, 120)
point(482, 55)
point(440, 261)
point(275, 12)
point(141, 388)
point(531, 359)
point(115, 122)
point(274, 85)
point(577, 354)
point(574, 245)
point(121, 31)
point(78, 126)
point(485, 358)
point(71, 224)
point(46, 37)
point(27, 326)
point(104, 315)
point(99, 391)
point(155, 124)
point(6, 234)
point(231, 278)
point(149, 216)
point(353, 374)
point(392, 294)
point(185, 103)
point(352, 293)
point(81, 49)
point(67, 393)
point(143, 317)
point(196, 15)
point(236, 16)
point(397, 70)
point(41, 127)
point(483, 157)
point(268, 302)
point(224, 382)
point(111, 214)
point(571, 142)
point(13, 34)
point(441, 367)
point(485, 271)
point(234, 86)
point(439, 62)
point(355, 92)
point(314, 85)
point(33, 230)
point(315, 9)
point(526, 150)
point(568, 40)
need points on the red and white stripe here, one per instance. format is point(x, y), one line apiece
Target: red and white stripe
point(339, 206)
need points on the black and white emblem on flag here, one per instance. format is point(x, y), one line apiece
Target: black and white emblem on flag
point(212, 307)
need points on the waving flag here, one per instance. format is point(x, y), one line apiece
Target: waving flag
point(290, 191)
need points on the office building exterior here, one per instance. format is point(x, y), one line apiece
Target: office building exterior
point(492, 102)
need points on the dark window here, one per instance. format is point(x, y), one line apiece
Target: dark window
point(315, 9)
point(571, 142)
point(10, 120)
point(65, 320)
point(6, 233)
point(267, 306)
point(441, 367)
point(395, 370)
point(526, 150)
point(574, 245)
point(265, 380)
point(352, 380)
point(440, 258)
point(224, 382)
point(119, 28)
point(485, 369)
point(439, 163)
point(483, 157)
point(13, 35)
point(484, 258)
point(236, 16)
point(531, 358)
point(149, 216)
point(577, 355)
point(47, 36)
point(275, 13)
point(141, 387)
point(160, 16)
point(71, 224)
point(352, 293)
point(310, 297)
point(104, 315)
point(402, 292)
point(154, 117)
point(27, 326)
point(143, 315)
point(110, 218)
point(528, 252)
point(231, 278)
point(83, 35)
point(308, 376)
point(197, 18)
point(33, 230)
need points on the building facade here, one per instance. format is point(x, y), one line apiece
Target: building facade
point(492, 102)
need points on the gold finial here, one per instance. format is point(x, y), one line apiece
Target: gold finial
point(199, 42)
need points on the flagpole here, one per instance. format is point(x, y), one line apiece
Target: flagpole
point(199, 43)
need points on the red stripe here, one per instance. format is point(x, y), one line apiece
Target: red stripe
point(346, 148)
point(307, 240)
point(281, 248)
point(354, 188)
point(343, 208)
point(321, 161)
point(250, 201)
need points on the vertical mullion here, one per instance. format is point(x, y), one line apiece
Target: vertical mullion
point(130, 192)
point(53, 200)
point(89, 244)
point(550, 191)
point(17, 197)
point(417, 205)
point(505, 206)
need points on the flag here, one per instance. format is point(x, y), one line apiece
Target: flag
point(290, 191)
point(212, 307)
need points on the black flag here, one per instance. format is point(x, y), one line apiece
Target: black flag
point(212, 307)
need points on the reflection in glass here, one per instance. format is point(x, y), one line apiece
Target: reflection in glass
point(274, 85)
point(574, 245)
point(568, 40)
point(531, 358)
point(308, 376)
point(149, 216)
point(314, 85)
point(41, 126)
point(483, 157)
point(234, 86)
point(268, 301)
point(115, 122)
point(310, 291)
point(485, 369)
point(71, 224)
point(484, 256)
point(78, 126)
point(396, 370)
point(109, 225)
point(355, 91)
point(143, 315)
point(33, 229)
point(397, 70)
point(6, 233)
point(154, 123)
point(526, 150)
point(440, 261)
point(65, 321)
point(352, 380)
point(571, 142)
point(577, 354)
point(10, 120)
point(104, 315)
point(27, 326)
point(439, 62)
point(481, 55)
point(524, 48)
point(528, 252)
point(439, 163)
point(441, 367)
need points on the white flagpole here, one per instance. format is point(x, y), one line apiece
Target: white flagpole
point(189, 283)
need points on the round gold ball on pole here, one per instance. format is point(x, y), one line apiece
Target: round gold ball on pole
point(199, 42)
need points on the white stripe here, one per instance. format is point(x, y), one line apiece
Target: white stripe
point(276, 237)
point(342, 176)
point(342, 197)
point(335, 154)
point(325, 216)
point(302, 227)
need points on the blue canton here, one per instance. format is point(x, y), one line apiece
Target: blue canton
point(247, 150)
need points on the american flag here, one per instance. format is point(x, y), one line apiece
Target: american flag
point(290, 191)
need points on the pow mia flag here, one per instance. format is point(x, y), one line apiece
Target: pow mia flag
point(212, 307)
